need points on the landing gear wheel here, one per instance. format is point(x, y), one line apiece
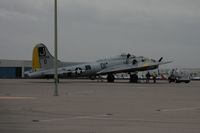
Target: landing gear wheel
point(110, 78)
point(133, 78)
point(177, 81)
point(92, 77)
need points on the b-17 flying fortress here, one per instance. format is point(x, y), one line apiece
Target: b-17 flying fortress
point(42, 66)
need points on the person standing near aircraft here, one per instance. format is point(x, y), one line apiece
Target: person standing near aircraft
point(154, 76)
point(148, 77)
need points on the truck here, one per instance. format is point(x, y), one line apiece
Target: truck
point(179, 76)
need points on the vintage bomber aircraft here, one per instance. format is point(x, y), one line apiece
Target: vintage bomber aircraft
point(42, 66)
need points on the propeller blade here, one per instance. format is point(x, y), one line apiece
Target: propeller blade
point(160, 59)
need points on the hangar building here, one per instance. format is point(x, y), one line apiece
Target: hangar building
point(14, 68)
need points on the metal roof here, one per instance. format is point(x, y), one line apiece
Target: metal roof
point(15, 63)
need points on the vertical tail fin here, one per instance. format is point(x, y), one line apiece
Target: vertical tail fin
point(41, 59)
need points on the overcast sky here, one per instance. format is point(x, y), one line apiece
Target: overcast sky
point(95, 29)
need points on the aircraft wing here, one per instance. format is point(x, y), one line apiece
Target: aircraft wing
point(132, 68)
point(162, 63)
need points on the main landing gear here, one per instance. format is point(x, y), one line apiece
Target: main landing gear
point(133, 78)
point(110, 78)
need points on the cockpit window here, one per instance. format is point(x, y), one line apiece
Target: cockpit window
point(134, 61)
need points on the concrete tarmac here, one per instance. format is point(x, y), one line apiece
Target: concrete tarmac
point(85, 106)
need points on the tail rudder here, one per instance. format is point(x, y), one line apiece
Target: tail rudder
point(41, 58)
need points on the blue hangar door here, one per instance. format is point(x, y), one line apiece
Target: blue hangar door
point(10, 72)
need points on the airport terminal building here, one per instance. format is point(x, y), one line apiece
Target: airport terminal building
point(14, 68)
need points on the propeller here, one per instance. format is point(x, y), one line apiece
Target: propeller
point(160, 59)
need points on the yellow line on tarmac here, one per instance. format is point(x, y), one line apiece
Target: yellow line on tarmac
point(15, 98)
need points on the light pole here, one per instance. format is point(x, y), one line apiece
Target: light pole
point(55, 49)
